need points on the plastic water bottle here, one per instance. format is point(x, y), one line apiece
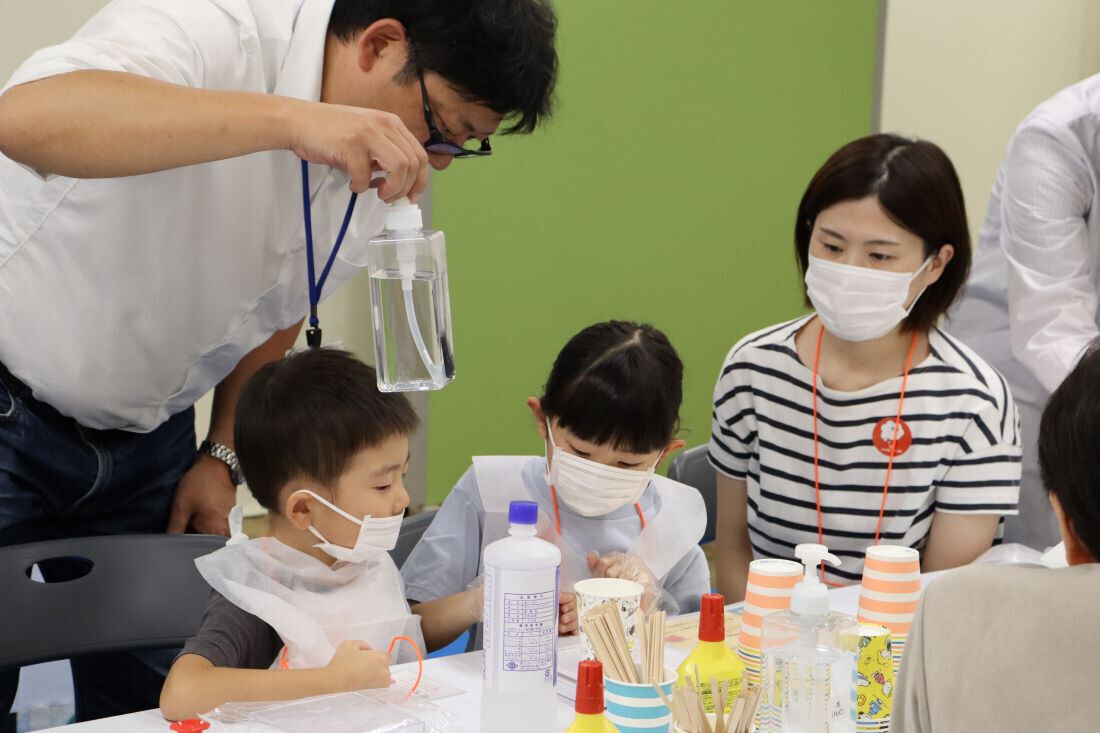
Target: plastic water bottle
point(521, 627)
point(410, 302)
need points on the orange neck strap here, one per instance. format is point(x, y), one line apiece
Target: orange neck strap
point(893, 444)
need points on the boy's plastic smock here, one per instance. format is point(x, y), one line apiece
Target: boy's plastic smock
point(809, 658)
point(312, 606)
point(712, 657)
point(410, 303)
point(521, 627)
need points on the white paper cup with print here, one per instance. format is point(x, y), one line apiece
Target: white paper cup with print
point(625, 594)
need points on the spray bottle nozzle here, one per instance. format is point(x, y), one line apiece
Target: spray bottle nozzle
point(811, 597)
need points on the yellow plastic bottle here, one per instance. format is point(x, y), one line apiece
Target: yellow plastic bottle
point(712, 657)
point(589, 707)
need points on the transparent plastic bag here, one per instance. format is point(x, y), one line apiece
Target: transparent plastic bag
point(367, 711)
point(1011, 553)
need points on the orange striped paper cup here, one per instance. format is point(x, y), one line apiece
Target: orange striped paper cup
point(769, 588)
point(890, 591)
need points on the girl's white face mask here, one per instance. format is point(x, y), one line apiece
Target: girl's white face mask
point(592, 489)
point(859, 303)
point(375, 534)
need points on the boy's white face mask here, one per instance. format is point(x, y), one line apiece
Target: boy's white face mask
point(592, 489)
point(375, 534)
point(859, 303)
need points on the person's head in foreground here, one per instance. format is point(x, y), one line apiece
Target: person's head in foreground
point(1069, 457)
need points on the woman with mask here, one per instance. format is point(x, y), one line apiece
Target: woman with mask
point(863, 422)
point(607, 419)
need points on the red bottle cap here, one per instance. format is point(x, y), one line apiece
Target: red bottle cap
point(590, 688)
point(193, 725)
point(190, 725)
point(712, 618)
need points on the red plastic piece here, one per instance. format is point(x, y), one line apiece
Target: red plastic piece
point(590, 688)
point(712, 618)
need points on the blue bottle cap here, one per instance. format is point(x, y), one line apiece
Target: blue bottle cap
point(523, 512)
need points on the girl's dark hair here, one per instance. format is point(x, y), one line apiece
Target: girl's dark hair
point(918, 188)
point(617, 383)
point(499, 53)
point(307, 416)
point(1069, 462)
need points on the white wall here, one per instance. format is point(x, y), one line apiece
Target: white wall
point(26, 25)
point(964, 73)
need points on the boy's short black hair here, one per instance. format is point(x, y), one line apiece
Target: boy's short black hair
point(618, 383)
point(307, 416)
point(499, 53)
point(1069, 460)
point(917, 186)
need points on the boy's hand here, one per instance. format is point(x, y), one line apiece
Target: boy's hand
point(355, 666)
point(567, 614)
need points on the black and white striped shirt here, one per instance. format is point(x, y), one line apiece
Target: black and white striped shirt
point(959, 451)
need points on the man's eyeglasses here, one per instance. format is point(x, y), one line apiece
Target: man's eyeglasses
point(436, 142)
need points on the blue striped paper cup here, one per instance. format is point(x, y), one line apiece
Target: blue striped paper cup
point(638, 708)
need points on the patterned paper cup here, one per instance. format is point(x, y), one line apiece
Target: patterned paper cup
point(874, 679)
point(625, 594)
point(638, 708)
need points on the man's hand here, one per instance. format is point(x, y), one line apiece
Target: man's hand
point(204, 497)
point(355, 666)
point(361, 142)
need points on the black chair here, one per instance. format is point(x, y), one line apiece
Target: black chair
point(692, 468)
point(139, 592)
point(412, 529)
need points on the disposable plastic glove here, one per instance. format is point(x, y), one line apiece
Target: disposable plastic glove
point(631, 567)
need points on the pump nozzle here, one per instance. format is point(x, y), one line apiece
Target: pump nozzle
point(811, 597)
point(403, 215)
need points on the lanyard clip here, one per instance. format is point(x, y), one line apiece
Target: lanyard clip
point(313, 338)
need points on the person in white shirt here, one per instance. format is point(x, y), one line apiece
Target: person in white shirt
point(1031, 305)
point(152, 195)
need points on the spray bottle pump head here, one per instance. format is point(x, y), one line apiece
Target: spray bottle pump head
point(811, 597)
point(403, 215)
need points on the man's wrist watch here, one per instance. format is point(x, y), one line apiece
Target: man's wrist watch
point(226, 455)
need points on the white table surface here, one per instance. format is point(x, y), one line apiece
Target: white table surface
point(462, 671)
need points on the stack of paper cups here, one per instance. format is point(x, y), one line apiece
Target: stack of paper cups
point(769, 590)
point(890, 591)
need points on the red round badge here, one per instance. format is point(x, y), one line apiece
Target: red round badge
point(885, 432)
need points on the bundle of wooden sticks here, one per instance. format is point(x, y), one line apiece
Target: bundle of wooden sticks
point(604, 628)
point(689, 712)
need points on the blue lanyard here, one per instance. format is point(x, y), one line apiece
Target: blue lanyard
point(313, 334)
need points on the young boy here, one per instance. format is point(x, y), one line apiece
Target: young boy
point(314, 607)
point(1017, 648)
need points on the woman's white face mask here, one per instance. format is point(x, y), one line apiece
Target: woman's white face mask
point(375, 534)
point(859, 303)
point(592, 489)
